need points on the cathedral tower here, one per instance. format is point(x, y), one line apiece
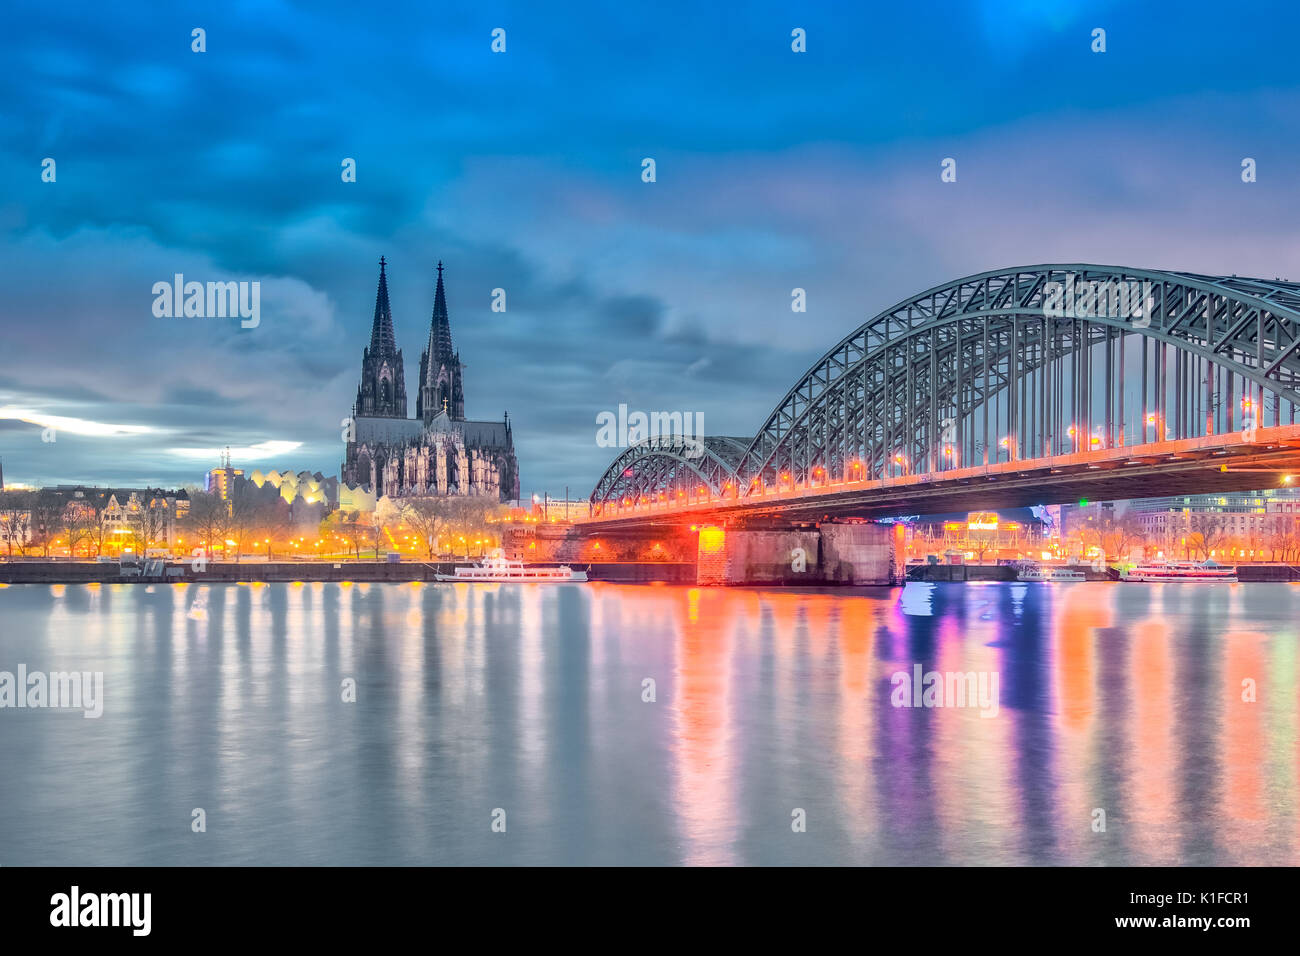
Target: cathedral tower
point(440, 368)
point(438, 453)
point(382, 392)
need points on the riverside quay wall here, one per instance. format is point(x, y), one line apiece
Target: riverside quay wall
point(831, 554)
point(217, 572)
point(850, 553)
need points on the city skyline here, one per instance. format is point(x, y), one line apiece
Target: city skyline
point(775, 170)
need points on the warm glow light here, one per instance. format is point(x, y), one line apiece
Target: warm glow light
point(712, 539)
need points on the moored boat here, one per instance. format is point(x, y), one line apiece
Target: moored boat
point(1190, 572)
point(496, 568)
point(1035, 572)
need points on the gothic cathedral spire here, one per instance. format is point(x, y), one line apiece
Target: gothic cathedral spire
point(382, 392)
point(440, 368)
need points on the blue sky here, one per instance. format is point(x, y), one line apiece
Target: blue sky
point(522, 171)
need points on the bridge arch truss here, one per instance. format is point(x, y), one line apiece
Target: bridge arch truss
point(1013, 364)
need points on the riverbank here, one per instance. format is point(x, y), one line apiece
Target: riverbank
point(90, 572)
point(1253, 573)
point(625, 572)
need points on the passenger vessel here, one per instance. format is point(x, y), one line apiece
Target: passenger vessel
point(1181, 571)
point(497, 568)
point(1034, 572)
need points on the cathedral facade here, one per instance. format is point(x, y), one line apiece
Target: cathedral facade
point(439, 451)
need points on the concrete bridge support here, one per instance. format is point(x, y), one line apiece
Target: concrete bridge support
point(848, 554)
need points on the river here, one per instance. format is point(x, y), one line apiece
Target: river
point(611, 724)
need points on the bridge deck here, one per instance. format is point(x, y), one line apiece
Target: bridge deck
point(1187, 466)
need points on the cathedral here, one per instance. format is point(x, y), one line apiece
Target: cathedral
point(439, 451)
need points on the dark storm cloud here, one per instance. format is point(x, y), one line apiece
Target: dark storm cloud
point(522, 172)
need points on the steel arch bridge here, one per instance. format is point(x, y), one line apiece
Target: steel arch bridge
point(1011, 365)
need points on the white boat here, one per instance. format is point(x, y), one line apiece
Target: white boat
point(1036, 572)
point(496, 568)
point(1182, 572)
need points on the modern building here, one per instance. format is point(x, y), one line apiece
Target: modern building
point(1241, 520)
point(1075, 518)
point(309, 487)
point(439, 452)
point(220, 480)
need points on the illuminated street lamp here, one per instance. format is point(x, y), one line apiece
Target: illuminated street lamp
point(1152, 424)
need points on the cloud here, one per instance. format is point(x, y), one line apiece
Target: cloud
point(76, 426)
point(259, 452)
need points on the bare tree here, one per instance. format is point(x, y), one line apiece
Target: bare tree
point(81, 523)
point(458, 518)
point(348, 526)
point(427, 518)
point(252, 512)
point(209, 517)
point(16, 520)
point(388, 514)
point(149, 522)
point(470, 517)
point(47, 519)
point(1209, 533)
point(1282, 532)
point(275, 521)
point(1118, 535)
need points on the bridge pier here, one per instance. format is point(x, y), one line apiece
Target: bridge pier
point(845, 554)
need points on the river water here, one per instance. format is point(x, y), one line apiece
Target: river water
point(511, 724)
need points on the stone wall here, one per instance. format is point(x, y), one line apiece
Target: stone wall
point(849, 554)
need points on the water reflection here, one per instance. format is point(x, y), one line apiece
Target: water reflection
point(616, 724)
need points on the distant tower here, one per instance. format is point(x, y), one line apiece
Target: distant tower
point(221, 480)
point(382, 392)
point(440, 368)
point(2, 476)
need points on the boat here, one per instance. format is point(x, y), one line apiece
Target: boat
point(1035, 572)
point(1181, 571)
point(497, 568)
